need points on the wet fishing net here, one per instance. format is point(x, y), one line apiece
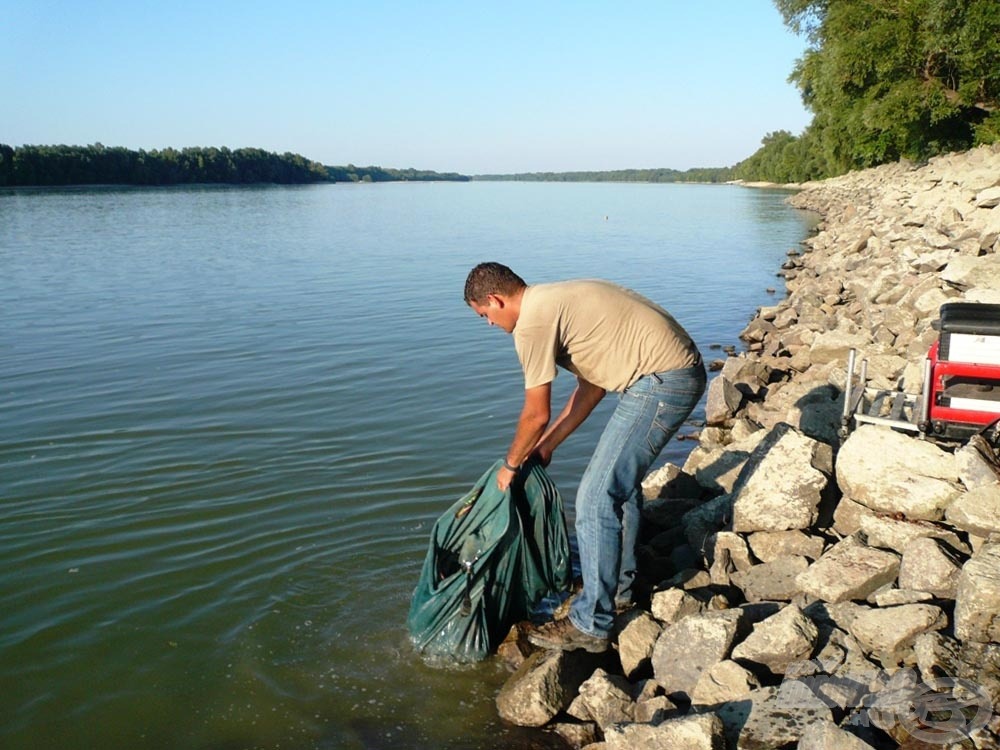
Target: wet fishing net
point(493, 556)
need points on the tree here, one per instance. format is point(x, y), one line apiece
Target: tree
point(896, 78)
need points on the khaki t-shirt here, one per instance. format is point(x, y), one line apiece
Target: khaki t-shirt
point(604, 333)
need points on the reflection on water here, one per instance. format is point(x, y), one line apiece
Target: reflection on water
point(231, 415)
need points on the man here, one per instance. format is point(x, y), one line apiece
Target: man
point(611, 339)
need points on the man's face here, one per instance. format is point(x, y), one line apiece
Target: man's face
point(495, 311)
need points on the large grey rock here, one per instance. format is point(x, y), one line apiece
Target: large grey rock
point(701, 522)
point(770, 545)
point(723, 682)
point(834, 346)
point(543, 685)
point(817, 412)
point(697, 732)
point(894, 473)
point(849, 570)
point(576, 735)
point(775, 581)
point(780, 487)
point(988, 198)
point(780, 640)
point(636, 641)
point(938, 655)
point(929, 566)
point(977, 511)
point(727, 552)
point(772, 717)
point(689, 647)
point(722, 401)
point(896, 533)
point(847, 516)
point(886, 632)
point(718, 468)
point(978, 464)
point(966, 271)
point(828, 736)
point(977, 601)
point(675, 604)
point(608, 698)
point(651, 705)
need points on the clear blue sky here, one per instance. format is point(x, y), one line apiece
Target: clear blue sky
point(472, 87)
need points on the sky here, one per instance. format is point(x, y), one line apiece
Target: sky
point(473, 87)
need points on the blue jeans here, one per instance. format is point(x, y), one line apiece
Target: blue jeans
point(609, 500)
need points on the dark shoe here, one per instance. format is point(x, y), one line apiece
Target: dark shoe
point(621, 607)
point(564, 635)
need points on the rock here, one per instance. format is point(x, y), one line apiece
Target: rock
point(689, 647)
point(849, 570)
point(655, 710)
point(896, 533)
point(978, 464)
point(775, 581)
point(834, 346)
point(937, 655)
point(726, 552)
point(768, 546)
point(988, 198)
point(772, 717)
point(576, 735)
point(698, 732)
point(887, 596)
point(543, 686)
point(977, 601)
point(723, 682)
point(701, 522)
point(607, 698)
point(780, 488)
point(886, 632)
point(965, 271)
point(848, 515)
point(718, 469)
point(674, 604)
point(929, 566)
point(828, 736)
point(722, 402)
point(636, 641)
point(778, 641)
point(894, 473)
point(817, 413)
point(516, 648)
point(669, 481)
point(977, 511)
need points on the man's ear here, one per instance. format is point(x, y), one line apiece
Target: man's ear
point(498, 300)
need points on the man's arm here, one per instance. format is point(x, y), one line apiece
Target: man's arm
point(581, 403)
point(534, 419)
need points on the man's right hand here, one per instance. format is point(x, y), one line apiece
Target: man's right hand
point(543, 454)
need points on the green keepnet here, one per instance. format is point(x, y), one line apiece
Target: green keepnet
point(492, 557)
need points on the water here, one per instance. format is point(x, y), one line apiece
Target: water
point(231, 415)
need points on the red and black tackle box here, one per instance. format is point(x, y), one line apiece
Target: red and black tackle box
point(965, 370)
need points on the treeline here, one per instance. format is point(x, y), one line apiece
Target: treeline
point(888, 80)
point(351, 173)
point(700, 174)
point(101, 165)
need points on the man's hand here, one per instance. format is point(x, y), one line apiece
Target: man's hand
point(543, 453)
point(504, 477)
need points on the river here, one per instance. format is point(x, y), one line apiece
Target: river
point(230, 416)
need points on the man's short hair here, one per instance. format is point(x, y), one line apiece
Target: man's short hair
point(491, 278)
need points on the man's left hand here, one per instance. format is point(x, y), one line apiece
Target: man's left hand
point(504, 477)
